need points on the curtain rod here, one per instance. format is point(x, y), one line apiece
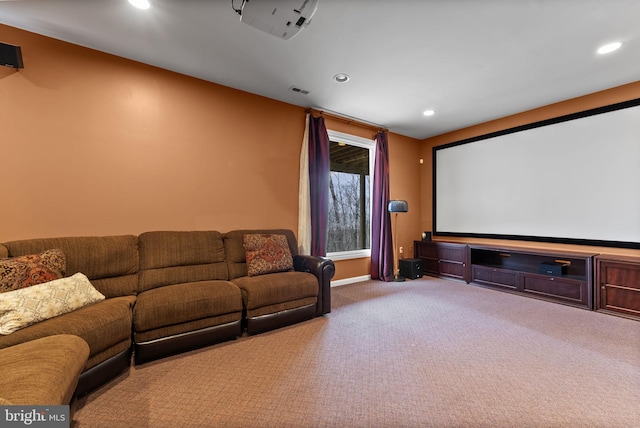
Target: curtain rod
point(348, 119)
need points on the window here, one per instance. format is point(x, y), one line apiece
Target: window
point(351, 172)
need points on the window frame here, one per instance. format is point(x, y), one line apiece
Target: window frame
point(365, 143)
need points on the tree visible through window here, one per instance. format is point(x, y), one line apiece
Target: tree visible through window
point(349, 196)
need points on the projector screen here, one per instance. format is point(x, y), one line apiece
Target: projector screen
point(574, 179)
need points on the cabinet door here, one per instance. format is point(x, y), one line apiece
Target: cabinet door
point(619, 287)
point(425, 249)
point(442, 259)
point(428, 253)
point(557, 288)
point(430, 266)
point(452, 259)
point(494, 277)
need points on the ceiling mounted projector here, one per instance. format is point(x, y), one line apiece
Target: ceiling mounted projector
point(281, 18)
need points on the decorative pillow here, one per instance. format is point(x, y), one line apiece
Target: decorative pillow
point(267, 253)
point(21, 308)
point(25, 271)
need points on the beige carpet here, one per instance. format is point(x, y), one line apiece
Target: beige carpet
point(423, 353)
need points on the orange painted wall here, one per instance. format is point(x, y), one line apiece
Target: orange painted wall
point(598, 99)
point(94, 144)
point(102, 145)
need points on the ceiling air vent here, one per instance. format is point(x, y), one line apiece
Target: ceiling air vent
point(299, 90)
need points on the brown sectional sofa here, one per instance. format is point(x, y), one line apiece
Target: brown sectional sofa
point(171, 291)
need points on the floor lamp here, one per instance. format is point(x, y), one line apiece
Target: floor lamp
point(395, 207)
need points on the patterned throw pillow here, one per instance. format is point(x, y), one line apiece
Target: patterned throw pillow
point(21, 308)
point(25, 271)
point(267, 253)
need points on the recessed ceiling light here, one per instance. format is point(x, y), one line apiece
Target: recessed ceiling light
point(341, 77)
point(429, 112)
point(140, 4)
point(610, 47)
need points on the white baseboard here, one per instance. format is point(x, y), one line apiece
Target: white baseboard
point(350, 280)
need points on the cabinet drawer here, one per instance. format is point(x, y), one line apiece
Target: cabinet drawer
point(494, 276)
point(556, 287)
point(452, 269)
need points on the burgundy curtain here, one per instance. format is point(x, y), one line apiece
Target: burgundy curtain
point(381, 240)
point(318, 184)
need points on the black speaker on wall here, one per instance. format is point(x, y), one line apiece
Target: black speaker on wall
point(11, 56)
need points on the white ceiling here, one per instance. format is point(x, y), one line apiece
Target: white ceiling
point(470, 60)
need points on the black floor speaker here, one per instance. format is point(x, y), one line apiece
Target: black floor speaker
point(10, 56)
point(410, 268)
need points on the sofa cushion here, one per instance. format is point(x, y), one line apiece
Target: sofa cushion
point(267, 253)
point(277, 288)
point(235, 253)
point(181, 303)
point(110, 262)
point(24, 271)
point(168, 257)
point(21, 308)
point(52, 372)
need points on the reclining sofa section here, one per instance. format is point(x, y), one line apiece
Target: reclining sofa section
point(279, 299)
point(171, 291)
point(184, 300)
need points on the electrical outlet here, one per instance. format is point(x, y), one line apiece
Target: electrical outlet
point(401, 250)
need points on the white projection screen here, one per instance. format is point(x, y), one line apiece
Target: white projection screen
point(574, 179)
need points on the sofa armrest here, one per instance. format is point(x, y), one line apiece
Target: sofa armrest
point(323, 269)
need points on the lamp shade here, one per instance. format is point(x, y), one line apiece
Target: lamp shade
point(398, 206)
